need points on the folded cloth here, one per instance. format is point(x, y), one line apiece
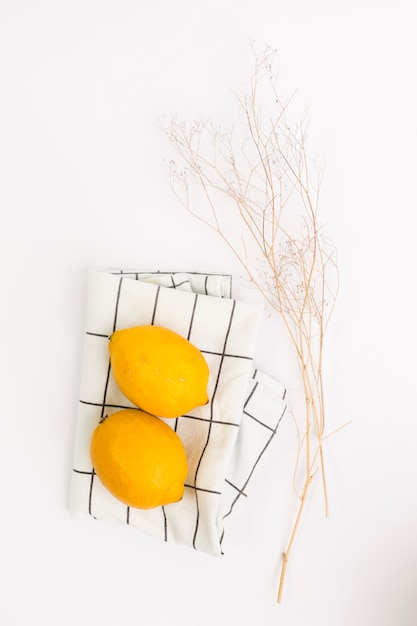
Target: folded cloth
point(224, 440)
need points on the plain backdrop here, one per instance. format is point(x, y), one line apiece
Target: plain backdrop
point(83, 87)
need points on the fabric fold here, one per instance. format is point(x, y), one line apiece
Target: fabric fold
point(225, 440)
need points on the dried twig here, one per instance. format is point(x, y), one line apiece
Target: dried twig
point(261, 193)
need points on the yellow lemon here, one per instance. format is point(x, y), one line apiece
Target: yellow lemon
point(139, 459)
point(158, 370)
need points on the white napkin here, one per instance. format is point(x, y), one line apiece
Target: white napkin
point(224, 440)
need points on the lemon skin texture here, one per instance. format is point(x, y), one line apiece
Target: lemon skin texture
point(158, 370)
point(139, 459)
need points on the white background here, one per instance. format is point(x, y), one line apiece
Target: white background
point(82, 87)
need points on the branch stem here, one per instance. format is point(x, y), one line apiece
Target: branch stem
point(270, 189)
point(286, 554)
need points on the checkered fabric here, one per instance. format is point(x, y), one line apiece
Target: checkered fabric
point(224, 440)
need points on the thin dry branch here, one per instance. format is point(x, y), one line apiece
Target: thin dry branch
point(261, 175)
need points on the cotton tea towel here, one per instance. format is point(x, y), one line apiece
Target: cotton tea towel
point(224, 440)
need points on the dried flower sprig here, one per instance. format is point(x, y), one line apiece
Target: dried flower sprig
point(261, 196)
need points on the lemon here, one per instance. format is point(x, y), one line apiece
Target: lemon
point(158, 370)
point(139, 459)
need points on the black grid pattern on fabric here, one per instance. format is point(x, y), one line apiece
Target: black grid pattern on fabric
point(116, 307)
point(210, 421)
point(104, 404)
point(173, 278)
point(271, 431)
point(198, 418)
